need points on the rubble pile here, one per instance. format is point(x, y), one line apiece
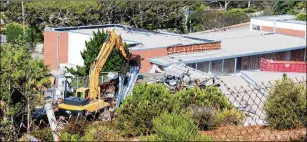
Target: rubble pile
point(181, 77)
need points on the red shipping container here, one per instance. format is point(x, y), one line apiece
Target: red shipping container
point(282, 66)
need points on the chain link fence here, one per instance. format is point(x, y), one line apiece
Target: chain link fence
point(273, 111)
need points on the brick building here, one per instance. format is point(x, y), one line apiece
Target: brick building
point(242, 48)
point(283, 24)
point(225, 52)
point(62, 46)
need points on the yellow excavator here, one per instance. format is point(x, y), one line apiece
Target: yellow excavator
point(87, 100)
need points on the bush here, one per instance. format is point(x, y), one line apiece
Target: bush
point(249, 10)
point(268, 12)
point(95, 131)
point(215, 19)
point(235, 10)
point(176, 127)
point(65, 136)
point(229, 116)
point(293, 11)
point(44, 134)
point(203, 103)
point(76, 126)
point(137, 111)
point(101, 131)
point(204, 117)
point(301, 17)
point(211, 96)
point(286, 105)
point(135, 115)
point(13, 31)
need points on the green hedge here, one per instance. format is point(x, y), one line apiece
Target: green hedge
point(137, 111)
point(176, 127)
point(286, 105)
point(135, 115)
point(301, 17)
point(15, 30)
point(216, 19)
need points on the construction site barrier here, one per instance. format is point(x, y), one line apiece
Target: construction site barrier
point(282, 66)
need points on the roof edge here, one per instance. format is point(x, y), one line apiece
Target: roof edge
point(227, 57)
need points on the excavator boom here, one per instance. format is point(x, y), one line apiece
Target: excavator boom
point(87, 100)
point(112, 41)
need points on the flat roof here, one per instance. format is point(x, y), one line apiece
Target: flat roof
point(276, 17)
point(236, 43)
point(140, 38)
point(265, 78)
point(296, 22)
point(281, 18)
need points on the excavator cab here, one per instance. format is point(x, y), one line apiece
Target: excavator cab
point(87, 100)
point(82, 92)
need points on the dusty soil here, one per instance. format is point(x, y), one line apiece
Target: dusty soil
point(255, 133)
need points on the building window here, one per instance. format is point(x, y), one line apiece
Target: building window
point(256, 27)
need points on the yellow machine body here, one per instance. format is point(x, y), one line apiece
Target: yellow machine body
point(93, 92)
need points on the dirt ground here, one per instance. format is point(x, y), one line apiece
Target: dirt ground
point(255, 133)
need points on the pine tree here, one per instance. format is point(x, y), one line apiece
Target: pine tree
point(114, 62)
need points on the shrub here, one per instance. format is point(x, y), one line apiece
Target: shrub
point(44, 134)
point(286, 105)
point(176, 127)
point(101, 131)
point(293, 11)
point(137, 110)
point(76, 126)
point(203, 104)
point(95, 131)
point(211, 96)
point(13, 31)
point(268, 12)
point(229, 116)
point(301, 17)
point(249, 10)
point(65, 136)
point(204, 117)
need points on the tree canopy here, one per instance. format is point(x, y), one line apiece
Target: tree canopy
point(114, 62)
point(149, 15)
point(22, 80)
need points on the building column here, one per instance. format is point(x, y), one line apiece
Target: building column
point(223, 66)
point(235, 69)
point(209, 66)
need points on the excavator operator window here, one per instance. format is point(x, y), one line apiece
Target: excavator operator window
point(86, 93)
point(79, 94)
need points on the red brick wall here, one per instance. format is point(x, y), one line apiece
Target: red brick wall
point(291, 32)
point(151, 53)
point(194, 48)
point(266, 28)
point(50, 48)
point(147, 54)
point(285, 31)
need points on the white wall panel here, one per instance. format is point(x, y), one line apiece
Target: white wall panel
point(262, 22)
point(76, 44)
point(292, 26)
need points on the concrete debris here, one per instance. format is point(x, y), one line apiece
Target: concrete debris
point(181, 77)
point(112, 75)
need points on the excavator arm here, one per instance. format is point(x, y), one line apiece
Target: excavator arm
point(112, 41)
